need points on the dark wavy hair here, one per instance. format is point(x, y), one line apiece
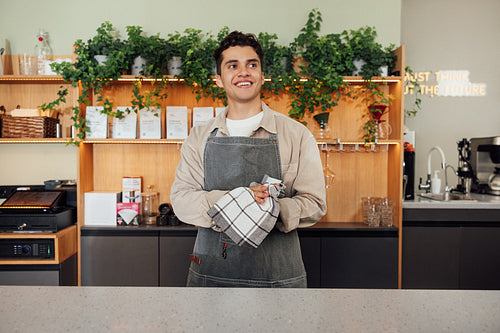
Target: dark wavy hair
point(237, 38)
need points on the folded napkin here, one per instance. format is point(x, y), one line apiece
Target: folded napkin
point(243, 219)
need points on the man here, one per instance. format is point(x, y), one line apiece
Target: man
point(244, 143)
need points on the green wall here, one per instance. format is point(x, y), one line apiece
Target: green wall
point(69, 20)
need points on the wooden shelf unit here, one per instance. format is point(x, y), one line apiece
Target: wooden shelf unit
point(103, 163)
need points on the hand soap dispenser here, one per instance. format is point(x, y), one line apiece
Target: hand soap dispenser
point(436, 183)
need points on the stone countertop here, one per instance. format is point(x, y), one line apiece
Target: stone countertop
point(482, 201)
point(139, 309)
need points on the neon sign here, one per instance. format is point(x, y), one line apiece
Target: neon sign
point(446, 83)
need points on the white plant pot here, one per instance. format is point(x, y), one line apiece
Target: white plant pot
point(384, 71)
point(174, 66)
point(101, 59)
point(283, 63)
point(358, 63)
point(138, 65)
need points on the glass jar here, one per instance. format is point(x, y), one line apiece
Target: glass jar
point(149, 206)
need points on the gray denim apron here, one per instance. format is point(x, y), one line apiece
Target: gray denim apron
point(232, 162)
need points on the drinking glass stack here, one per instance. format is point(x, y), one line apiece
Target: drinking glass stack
point(377, 211)
point(386, 212)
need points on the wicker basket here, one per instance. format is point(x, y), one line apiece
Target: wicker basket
point(29, 127)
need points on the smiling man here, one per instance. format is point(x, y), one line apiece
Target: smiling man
point(242, 145)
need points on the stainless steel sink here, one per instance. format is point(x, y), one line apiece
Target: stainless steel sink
point(447, 197)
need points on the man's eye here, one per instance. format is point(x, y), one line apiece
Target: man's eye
point(232, 66)
point(253, 65)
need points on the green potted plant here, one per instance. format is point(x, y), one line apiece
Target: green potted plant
point(324, 59)
point(105, 43)
point(199, 66)
point(277, 62)
point(140, 49)
point(369, 57)
point(178, 45)
point(91, 75)
point(150, 52)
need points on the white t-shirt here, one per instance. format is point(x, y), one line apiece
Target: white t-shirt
point(243, 127)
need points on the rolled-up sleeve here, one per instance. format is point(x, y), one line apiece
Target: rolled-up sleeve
point(303, 175)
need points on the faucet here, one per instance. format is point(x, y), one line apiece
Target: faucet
point(448, 188)
point(427, 185)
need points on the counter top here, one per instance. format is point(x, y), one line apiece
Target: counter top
point(138, 309)
point(482, 201)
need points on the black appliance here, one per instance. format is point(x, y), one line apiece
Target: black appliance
point(24, 248)
point(35, 210)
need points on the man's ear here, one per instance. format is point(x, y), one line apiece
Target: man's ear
point(218, 81)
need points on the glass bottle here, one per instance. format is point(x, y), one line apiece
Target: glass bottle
point(43, 52)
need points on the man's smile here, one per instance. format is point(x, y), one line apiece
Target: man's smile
point(244, 84)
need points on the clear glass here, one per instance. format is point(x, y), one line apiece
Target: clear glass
point(327, 166)
point(384, 130)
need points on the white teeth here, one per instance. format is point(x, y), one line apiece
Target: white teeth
point(243, 84)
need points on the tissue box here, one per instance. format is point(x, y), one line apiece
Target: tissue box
point(100, 208)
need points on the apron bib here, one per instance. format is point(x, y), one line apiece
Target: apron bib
point(231, 162)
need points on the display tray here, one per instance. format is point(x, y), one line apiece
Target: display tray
point(34, 201)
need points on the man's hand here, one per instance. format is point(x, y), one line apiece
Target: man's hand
point(259, 192)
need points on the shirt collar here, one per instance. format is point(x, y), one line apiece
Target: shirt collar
point(268, 122)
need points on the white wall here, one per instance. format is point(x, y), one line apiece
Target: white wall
point(453, 35)
point(68, 20)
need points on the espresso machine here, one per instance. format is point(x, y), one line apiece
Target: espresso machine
point(485, 163)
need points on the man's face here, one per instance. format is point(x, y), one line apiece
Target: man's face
point(241, 74)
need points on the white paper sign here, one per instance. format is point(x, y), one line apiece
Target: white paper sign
point(125, 128)
point(96, 122)
point(150, 123)
point(202, 114)
point(177, 122)
point(218, 110)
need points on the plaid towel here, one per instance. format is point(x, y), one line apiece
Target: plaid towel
point(243, 219)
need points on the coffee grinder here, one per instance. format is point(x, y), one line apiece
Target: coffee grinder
point(464, 170)
point(485, 163)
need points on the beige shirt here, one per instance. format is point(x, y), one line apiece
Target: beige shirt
point(305, 201)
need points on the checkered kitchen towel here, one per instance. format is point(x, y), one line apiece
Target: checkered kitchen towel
point(243, 219)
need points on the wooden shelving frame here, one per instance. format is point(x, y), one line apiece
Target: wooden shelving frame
point(103, 163)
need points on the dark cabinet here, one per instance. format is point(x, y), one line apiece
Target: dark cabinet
point(311, 256)
point(451, 249)
point(359, 262)
point(333, 258)
point(431, 257)
point(350, 257)
point(119, 259)
point(136, 256)
point(174, 258)
point(480, 258)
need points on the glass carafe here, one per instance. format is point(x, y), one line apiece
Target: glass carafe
point(149, 206)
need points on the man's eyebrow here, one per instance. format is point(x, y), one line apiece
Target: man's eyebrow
point(231, 61)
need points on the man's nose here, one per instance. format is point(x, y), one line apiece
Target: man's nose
point(243, 71)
